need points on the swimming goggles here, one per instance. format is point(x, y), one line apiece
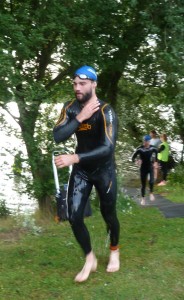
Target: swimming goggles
point(83, 76)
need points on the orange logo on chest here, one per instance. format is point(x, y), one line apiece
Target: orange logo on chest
point(84, 126)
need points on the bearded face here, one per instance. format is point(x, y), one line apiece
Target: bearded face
point(84, 89)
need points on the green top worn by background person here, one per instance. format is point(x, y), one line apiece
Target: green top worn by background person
point(164, 154)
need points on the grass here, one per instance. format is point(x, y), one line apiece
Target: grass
point(39, 259)
point(172, 191)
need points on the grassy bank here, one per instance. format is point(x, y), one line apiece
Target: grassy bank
point(173, 192)
point(39, 260)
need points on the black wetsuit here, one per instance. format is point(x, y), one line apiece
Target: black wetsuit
point(96, 138)
point(148, 156)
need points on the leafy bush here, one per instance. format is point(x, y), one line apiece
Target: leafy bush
point(4, 211)
point(177, 175)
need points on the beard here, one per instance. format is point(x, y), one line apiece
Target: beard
point(82, 98)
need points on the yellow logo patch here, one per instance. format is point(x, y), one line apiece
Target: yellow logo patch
point(84, 126)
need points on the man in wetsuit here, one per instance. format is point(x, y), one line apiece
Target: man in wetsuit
point(95, 125)
point(148, 156)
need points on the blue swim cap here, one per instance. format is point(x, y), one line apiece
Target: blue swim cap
point(147, 138)
point(86, 72)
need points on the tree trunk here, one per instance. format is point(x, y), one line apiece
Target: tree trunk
point(38, 162)
point(108, 84)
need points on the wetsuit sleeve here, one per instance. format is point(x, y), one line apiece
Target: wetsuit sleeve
point(154, 154)
point(135, 155)
point(161, 148)
point(108, 136)
point(65, 126)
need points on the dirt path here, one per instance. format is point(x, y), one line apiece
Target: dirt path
point(168, 208)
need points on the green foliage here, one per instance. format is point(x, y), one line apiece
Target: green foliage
point(4, 211)
point(177, 175)
point(17, 166)
point(139, 112)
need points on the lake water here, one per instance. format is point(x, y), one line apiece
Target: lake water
point(11, 185)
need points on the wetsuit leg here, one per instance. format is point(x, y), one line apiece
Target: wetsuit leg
point(143, 174)
point(78, 193)
point(106, 186)
point(151, 180)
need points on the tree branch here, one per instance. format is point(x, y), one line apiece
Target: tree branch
point(59, 77)
point(16, 119)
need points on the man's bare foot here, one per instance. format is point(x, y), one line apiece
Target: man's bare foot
point(89, 266)
point(114, 262)
point(143, 201)
point(152, 197)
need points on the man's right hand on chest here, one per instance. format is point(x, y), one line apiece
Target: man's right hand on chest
point(88, 110)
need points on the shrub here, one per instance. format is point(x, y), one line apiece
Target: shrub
point(4, 211)
point(177, 175)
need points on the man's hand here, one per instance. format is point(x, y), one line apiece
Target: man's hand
point(66, 160)
point(88, 110)
point(139, 162)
